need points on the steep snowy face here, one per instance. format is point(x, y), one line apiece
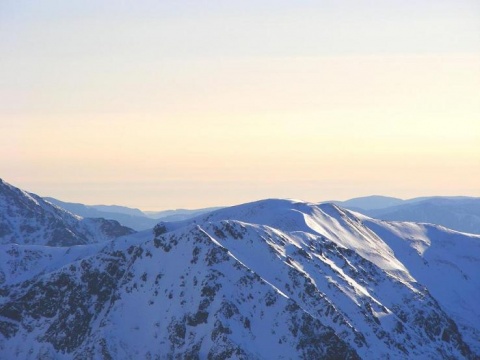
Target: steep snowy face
point(446, 262)
point(271, 279)
point(325, 220)
point(28, 219)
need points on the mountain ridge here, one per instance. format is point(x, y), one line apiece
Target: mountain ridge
point(461, 213)
point(272, 277)
point(26, 218)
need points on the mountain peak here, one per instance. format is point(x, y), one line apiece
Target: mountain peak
point(26, 218)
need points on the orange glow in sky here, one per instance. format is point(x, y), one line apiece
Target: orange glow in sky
point(174, 106)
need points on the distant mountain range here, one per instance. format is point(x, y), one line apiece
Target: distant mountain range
point(369, 202)
point(133, 218)
point(459, 213)
point(272, 279)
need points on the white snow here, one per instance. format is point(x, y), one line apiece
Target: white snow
point(275, 262)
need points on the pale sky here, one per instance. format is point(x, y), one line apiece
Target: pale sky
point(187, 104)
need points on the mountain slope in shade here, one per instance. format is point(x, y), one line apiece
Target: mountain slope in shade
point(270, 279)
point(28, 219)
point(133, 218)
point(179, 214)
point(370, 202)
point(461, 214)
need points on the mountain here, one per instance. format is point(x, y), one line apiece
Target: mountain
point(26, 218)
point(89, 210)
point(133, 218)
point(125, 217)
point(265, 280)
point(119, 210)
point(370, 202)
point(458, 213)
point(179, 214)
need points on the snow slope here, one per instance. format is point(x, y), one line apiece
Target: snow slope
point(445, 261)
point(269, 279)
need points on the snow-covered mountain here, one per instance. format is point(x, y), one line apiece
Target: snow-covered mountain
point(266, 280)
point(28, 219)
point(462, 214)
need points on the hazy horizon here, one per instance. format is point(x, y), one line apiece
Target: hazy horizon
point(154, 209)
point(160, 105)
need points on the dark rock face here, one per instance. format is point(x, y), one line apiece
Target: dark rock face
point(65, 303)
point(28, 219)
